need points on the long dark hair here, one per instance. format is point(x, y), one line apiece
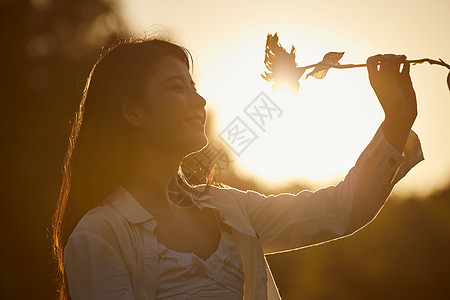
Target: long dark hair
point(99, 149)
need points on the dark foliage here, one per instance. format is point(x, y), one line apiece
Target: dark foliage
point(48, 48)
point(402, 254)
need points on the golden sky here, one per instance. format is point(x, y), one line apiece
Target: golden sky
point(320, 133)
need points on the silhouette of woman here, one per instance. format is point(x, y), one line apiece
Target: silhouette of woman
point(120, 234)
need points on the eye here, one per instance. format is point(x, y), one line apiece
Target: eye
point(177, 87)
point(193, 86)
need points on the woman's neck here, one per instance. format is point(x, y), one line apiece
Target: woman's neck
point(149, 180)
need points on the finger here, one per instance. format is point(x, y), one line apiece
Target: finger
point(405, 78)
point(397, 60)
point(386, 63)
point(374, 59)
point(386, 67)
point(406, 67)
point(372, 66)
point(390, 64)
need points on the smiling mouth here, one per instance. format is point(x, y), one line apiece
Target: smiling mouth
point(196, 122)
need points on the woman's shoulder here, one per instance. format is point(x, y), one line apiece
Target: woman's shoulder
point(221, 195)
point(225, 192)
point(115, 215)
point(217, 189)
point(99, 220)
point(97, 235)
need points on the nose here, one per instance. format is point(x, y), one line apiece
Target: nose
point(197, 100)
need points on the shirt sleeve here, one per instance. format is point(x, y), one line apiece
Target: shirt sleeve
point(289, 221)
point(94, 269)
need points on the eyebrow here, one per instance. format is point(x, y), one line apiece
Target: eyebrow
point(176, 77)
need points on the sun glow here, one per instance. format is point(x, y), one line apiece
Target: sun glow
point(319, 132)
point(227, 40)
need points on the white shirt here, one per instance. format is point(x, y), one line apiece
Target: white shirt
point(185, 276)
point(113, 252)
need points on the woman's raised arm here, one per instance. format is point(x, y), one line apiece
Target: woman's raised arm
point(288, 221)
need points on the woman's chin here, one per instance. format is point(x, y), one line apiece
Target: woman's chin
point(199, 145)
point(202, 144)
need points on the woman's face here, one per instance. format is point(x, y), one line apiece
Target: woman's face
point(175, 115)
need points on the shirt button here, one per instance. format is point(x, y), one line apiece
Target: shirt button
point(392, 161)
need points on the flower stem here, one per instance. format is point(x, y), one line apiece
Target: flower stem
point(349, 66)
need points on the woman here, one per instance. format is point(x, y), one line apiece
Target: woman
point(119, 232)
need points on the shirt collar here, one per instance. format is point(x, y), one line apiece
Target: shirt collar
point(128, 206)
point(204, 191)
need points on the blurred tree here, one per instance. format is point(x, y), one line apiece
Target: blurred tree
point(48, 48)
point(402, 254)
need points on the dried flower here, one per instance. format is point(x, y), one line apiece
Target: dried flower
point(284, 70)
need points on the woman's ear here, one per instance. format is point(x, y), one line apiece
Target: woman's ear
point(132, 113)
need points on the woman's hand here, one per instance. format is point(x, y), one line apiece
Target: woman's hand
point(395, 92)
